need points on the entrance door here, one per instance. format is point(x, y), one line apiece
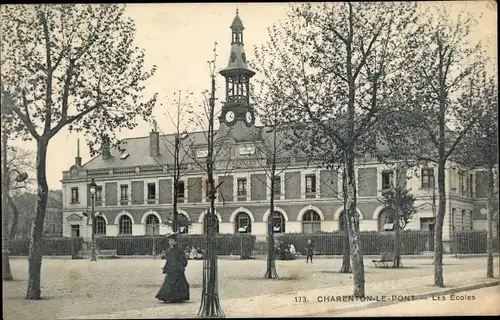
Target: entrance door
point(75, 231)
point(427, 224)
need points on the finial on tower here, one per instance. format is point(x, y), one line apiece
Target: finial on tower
point(78, 159)
point(237, 11)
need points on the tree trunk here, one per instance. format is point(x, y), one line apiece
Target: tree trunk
point(175, 218)
point(271, 272)
point(6, 271)
point(353, 226)
point(15, 219)
point(35, 250)
point(397, 238)
point(438, 242)
point(396, 218)
point(346, 257)
point(489, 217)
point(210, 304)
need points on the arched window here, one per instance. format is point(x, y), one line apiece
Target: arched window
point(243, 223)
point(100, 225)
point(311, 222)
point(385, 220)
point(183, 223)
point(152, 224)
point(125, 225)
point(279, 222)
point(215, 220)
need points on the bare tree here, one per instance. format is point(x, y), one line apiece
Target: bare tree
point(177, 149)
point(335, 65)
point(72, 66)
point(480, 149)
point(270, 151)
point(216, 161)
point(401, 205)
point(439, 98)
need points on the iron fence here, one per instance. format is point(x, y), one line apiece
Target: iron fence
point(372, 243)
point(246, 245)
point(50, 246)
point(475, 241)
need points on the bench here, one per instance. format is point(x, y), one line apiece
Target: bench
point(108, 253)
point(386, 258)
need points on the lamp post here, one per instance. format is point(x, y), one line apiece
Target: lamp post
point(154, 232)
point(93, 187)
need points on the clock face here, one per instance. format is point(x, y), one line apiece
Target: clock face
point(230, 116)
point(249, 117)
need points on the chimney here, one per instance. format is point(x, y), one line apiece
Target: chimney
point(106, 154)
point(78, 159)
point(154, 143)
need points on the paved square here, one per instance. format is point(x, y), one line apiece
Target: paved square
point(74, 288)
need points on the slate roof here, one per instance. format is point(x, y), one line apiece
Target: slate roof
point(238, 63)
point(138, 148)
point(139, 155)
point(237, 23)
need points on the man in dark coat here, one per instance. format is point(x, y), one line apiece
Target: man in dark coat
point(309, 251)
point(282, 251)
point(175, 287)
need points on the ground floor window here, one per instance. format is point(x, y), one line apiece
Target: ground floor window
point(75, 230)
point(311, 222)
point(214, 221)
point(242, 223)
point(278, 222)
point(100, 225)
point(152, 224)
point(385, 220)
point(125, 225)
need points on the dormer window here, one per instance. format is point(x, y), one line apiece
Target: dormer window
point(247, 151)
point(201, 153)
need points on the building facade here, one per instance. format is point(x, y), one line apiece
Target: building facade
point(135, 191)
point(26, 206)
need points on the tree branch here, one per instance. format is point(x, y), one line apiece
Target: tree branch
point(459, 138)
point(25, 118)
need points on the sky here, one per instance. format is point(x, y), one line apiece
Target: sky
point(179, 39)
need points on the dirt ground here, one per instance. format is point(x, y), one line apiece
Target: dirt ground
point(80, 287)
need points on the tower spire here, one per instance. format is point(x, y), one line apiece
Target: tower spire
point(237, 106)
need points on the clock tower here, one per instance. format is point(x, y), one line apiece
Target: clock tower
point(237, 112)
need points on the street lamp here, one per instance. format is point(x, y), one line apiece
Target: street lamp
point(154, 245)
point(93, 187)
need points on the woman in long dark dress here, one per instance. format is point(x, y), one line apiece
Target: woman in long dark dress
point(175, 287)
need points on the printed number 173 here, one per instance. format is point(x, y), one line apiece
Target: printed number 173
point(300, 299)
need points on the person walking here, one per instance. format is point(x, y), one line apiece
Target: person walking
point(309, 251)
point(175, 287)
